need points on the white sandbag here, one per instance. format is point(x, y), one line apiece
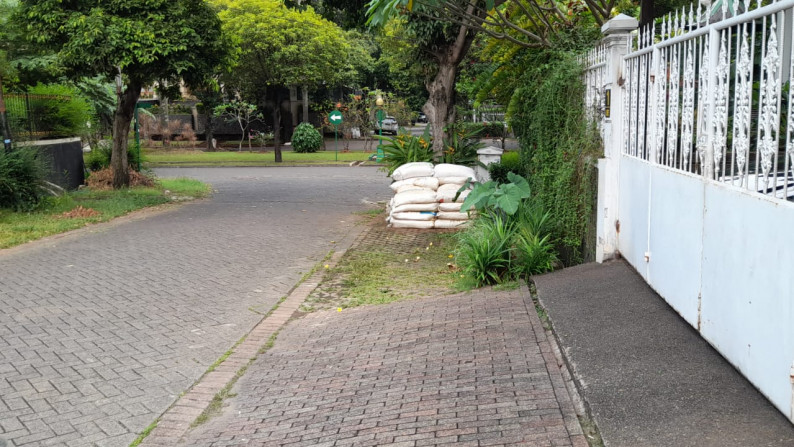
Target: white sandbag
point(424, 182)
point(450, 207)
point(415, 207)
point(395, 223)
point(443, 223)
point(449, 170)
point(453, 215)
point(455, 180)
point(414, 215)
point(446, 193)
point(414, 197)
point(411, 170)
point(405, 188)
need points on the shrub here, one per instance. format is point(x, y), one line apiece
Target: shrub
point(99, 157)
point(511, 162)
point(21, 175)
point(461, 147)
point(405, 148)
point(63, 118)
point(483, 251)
point(305, 138)
point(490, 129)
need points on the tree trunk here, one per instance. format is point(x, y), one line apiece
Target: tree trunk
point(5, 128)
point(277, 125)
point(121, 129)
point(440, 105)
point(305, 91)
point(208, 129)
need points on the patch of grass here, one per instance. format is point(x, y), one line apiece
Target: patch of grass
point(20, 227)
point(369, 275)
point(224, 158)
point(146, 431)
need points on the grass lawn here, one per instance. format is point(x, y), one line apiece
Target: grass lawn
point(61, 214)
point(384, 268)
point(182, 157)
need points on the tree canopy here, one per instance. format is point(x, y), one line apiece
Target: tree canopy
point(137, 42)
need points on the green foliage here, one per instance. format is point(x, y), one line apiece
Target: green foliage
point(559, 148)
point(99, 157)
point(484, 249)
point(461, 146)
point(500, 247)
point(147, 41)
point(21, 174)
point(499, 198)
point(276, 45)
point(511, 162)
point(490, 129)
point(306, 138)
point(63, 118)
point(405, 148)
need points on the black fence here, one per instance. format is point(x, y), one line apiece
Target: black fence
point(30, 116)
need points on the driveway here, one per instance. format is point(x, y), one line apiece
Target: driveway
point(101, 330)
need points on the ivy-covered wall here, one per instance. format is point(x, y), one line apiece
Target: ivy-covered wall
point(559, 148)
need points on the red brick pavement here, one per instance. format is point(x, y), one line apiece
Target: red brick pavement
point(473, 369)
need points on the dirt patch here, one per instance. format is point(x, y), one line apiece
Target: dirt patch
point(103, 180)
point(80, 213)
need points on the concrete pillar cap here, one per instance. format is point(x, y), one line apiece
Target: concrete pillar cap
point(620, 24)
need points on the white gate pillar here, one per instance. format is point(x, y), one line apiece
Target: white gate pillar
point(616, 42)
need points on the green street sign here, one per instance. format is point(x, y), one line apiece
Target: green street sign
point(335, 117)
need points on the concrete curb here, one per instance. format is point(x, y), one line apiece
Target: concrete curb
point(176, 420)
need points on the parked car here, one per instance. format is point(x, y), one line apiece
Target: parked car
point(422, 118)
point(389, 125)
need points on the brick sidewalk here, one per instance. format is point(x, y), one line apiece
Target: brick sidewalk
point(469, 369)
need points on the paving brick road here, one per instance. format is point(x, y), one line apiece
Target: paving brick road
point(466, 370)
point(100, 331)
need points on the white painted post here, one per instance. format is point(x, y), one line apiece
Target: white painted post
point(616, 40)
point(487, 155)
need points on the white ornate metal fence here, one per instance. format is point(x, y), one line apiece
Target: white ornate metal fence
point(709, 92)
point(696, 187)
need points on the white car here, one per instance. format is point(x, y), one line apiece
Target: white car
point(389, 125)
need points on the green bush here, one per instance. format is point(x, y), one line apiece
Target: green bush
point(512, 237)
point(62, 118)
point(21, 174)
point(490, 129)
point(461, 147)
point(305, 138)
point(484, 250)
point(99, 157)
point(406, 148)
point(511, 162)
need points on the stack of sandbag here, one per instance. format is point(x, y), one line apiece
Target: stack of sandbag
point(451, 179)
point(425, 196)
point(414, 204)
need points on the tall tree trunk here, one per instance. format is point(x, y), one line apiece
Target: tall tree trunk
point(209, 128)
point(5, 128)
point(305, 92)
point(440, 105)
point(122, 118)
point(277, 125)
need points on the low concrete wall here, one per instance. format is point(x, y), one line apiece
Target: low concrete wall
point(723, 258)
point(65, 160)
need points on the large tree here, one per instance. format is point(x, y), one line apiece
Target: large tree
point(133, 41)
point(281, 47)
